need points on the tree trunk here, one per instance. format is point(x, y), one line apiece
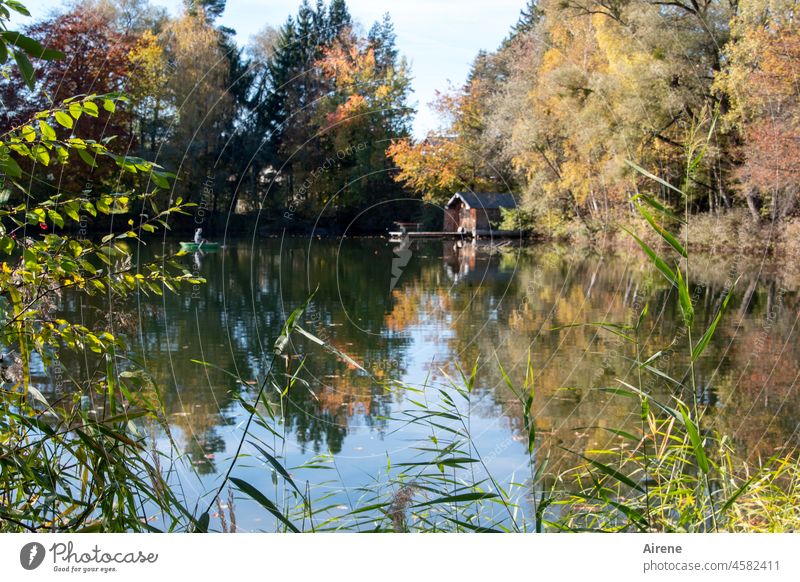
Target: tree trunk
point(753, 203)
point(744, 308)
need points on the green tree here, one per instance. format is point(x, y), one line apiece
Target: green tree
point(328, 102)
point(208, 9)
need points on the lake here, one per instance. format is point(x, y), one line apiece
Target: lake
point(408, 319)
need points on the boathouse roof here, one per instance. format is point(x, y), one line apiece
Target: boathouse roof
point(484, 200)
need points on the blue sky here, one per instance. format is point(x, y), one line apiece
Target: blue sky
point(439, 37)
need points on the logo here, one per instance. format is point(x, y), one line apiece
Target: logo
point(31, 555)
point(402, 257)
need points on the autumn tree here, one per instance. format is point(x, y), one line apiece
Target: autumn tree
point(197, 86)
point(463, 154)
point(328, 101)
point(576, 90)
point(148, 91)
point(365, 109)
point(98, 64)
point(762, 83)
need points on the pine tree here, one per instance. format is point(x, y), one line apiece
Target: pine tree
point(529, 17)
point(213, 9)
point(338, 19)
point(302, 106)
point(382, 40)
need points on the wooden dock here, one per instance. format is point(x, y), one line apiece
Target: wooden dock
point(398, 235)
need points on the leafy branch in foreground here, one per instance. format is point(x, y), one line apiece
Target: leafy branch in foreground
point(79, 460)
point(21, 47)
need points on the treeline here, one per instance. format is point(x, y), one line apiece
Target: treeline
point(580, 87)
point(294, 125)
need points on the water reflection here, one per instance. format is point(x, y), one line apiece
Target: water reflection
point(452, 303)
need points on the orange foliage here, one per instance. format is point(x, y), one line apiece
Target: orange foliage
point(772, 132)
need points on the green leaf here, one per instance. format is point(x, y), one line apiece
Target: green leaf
point(6, 244)
point(472, 527)
point(329, 347)
point(732, 499)
point(10, 167)
point(647, 174)
point(41, 154)
point(642, 315)
point(658, 261)
point(17, 7)
point(75, 110)
point(87, 158)
point(159, 180)
point(109, 105)
point(30, 46)
point(30, 258)
point(686, 302)
point(611, 472)
point(458, 498)
point(62, 154)
point(652, 202)
point(278, 467)
point(697, 442)
point(28, 133)
point(201, 525)
point(665, 234)
point(288, 328)
point(262, 500)
point(48, 132)
point(56, 218)
point(63, 119)
point(701, 345)
point(25, 69)
point(90, 108)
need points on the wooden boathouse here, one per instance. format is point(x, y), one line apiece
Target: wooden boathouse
point(466, 215)
point(472, 212)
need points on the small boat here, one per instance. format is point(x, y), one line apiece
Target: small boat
point(205, 247)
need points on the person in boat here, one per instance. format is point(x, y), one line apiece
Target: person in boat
point(198, 237)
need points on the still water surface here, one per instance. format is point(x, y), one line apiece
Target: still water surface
point(414, 318)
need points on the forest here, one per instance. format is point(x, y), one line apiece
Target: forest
point(580, 89)
point(298, 119)
point(311, 119)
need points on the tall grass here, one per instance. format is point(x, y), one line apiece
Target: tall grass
point(674, 473)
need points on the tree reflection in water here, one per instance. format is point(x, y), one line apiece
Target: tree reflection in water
point(454, 302)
